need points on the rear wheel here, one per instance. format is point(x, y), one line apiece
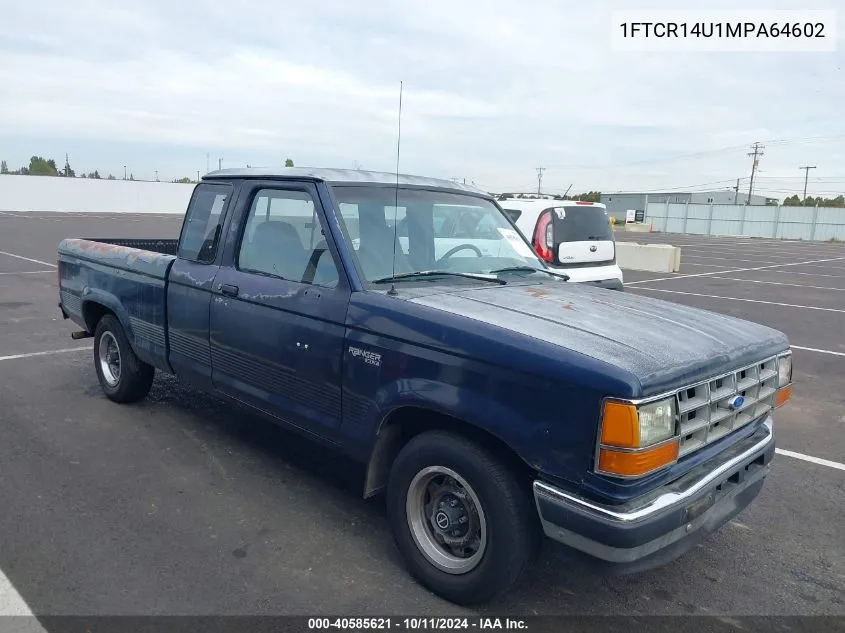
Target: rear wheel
point(122, 375)
point(465, 526)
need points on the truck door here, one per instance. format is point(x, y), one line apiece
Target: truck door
point(190, 282)
point(278, 308)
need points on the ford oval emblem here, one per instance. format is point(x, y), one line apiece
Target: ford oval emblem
point(736, 402)
point(594, 248)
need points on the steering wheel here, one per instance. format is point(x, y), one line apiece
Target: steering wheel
point(461, 247)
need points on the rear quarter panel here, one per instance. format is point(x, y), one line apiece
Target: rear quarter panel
point(130, 282)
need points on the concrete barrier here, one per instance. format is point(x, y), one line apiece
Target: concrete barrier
point(658, 258)
point(638, 228)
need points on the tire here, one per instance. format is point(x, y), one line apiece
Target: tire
point(127, 380)
point(504, 519)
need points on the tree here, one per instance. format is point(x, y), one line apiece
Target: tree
point(67, 171)
point(288, 163)
point(40, 167)
point(592, 196)
point(131, 176)
point(792, 201)
point(111, 177)
point(4, 168)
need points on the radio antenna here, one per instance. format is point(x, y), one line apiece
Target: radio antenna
point(392, 292)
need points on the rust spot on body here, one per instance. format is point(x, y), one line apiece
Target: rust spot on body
point(538, 294)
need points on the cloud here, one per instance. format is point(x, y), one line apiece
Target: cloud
point(492, 90)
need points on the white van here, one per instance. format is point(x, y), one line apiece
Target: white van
point(569, 235)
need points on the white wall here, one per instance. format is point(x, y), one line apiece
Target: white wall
point(46, 193)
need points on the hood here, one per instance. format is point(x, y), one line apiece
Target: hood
point(661, 343)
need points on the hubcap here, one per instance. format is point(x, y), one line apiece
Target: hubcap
point(446, 520)
point(109, 356)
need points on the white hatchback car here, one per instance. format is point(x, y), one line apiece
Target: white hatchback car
point(569, 235)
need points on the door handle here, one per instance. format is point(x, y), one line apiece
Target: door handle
point(229, 290)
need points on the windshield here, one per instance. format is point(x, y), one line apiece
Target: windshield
point(448, 232)
point(582, 223)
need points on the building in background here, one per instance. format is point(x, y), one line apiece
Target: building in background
point(618, 203)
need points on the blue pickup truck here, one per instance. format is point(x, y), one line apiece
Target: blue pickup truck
point(406, 322)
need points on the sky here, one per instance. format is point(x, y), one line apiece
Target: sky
point(493, 89)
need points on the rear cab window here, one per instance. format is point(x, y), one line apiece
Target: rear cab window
point(201, 231)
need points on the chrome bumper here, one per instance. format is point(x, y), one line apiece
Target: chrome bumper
point(662, 525)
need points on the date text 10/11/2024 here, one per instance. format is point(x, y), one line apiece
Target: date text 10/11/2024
point(416, 624)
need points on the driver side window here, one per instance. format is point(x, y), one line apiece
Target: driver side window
point(284, 238)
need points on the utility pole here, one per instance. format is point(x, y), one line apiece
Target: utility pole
point(124, 172)
point(757, 150)
point(736, 191)
point(219, 163)
point(198, 175)
point(540, 171)
point(156, 175)
point(207, 164)
point(806, 174)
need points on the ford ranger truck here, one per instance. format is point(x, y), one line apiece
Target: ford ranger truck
point(491, 401)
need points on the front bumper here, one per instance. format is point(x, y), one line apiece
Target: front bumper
point(662, 525)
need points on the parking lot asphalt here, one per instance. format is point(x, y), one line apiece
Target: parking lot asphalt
point(184, 504)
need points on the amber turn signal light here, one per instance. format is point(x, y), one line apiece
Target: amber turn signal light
point(634, 464)
point(620, 426)
point(783, 395)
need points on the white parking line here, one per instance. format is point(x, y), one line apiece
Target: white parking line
point(721, 259)
point(736, 270)
point(820, 351)
point(780, 283)
point(13, 604)
point(705, 265)
point(28, 259)
point(794, 272)
point(810, 458)
point(47, 353)
point(771, 303)
point(27, 272)
point(728, 253)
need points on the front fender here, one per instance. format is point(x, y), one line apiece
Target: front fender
point(480, 410)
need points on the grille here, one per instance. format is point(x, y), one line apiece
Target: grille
point(704, 414)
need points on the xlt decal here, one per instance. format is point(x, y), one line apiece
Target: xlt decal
point(369, 357)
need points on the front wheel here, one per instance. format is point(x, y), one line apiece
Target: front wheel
point(122, 375)
point(465, 526)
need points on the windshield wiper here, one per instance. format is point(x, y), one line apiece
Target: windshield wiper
point(529, 269)
point(437, 273)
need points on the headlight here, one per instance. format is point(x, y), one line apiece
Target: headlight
point(657, 421)
point(784, 370)
point(637, 440)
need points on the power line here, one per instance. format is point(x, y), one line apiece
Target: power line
point(757, 151)
point(706, 153)
point(806, 169)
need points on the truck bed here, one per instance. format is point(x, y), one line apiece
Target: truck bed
point(125, 276)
